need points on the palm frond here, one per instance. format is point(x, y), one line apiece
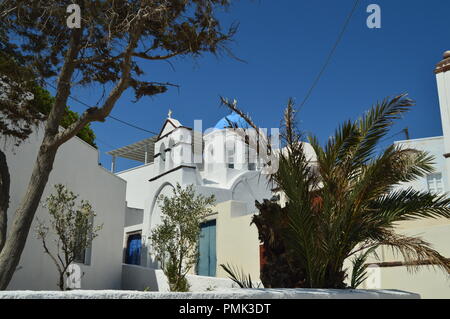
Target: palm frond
point(238, 276)
point(384, 173)
point(410, 204)
point(375, 124)
point(354, 143)
point(359, 273)
point(415, 251)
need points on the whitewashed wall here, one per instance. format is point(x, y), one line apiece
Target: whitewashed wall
point(435, 147)
point(138, 184)
point(145, 278)
point(429, 282)
point(76, 166)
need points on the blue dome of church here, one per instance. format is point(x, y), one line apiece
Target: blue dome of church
point(234, 118)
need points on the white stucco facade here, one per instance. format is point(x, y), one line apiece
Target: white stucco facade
point(77, 167)
point(223, 171)
point(428, 281)
point(443, 87)
point(435, 147)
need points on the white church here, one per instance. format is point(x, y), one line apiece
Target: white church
point(217, 161)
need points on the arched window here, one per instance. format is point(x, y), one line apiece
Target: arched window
point(209, 158)
point(162, 157)
point(170, 154)
point(230, 154)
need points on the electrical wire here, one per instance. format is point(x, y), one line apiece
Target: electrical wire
point(110, 116)
point(330, 55)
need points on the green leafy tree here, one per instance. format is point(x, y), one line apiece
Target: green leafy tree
point(114, 40)
point(72, 227)
point(20, 112)
point(344, 202)
point(175, 240)
point(43, 101)
point(19, 119)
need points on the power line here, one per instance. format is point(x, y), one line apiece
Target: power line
point(330, 55)
point(105, 143)
point(131, 125)
point(110, 116)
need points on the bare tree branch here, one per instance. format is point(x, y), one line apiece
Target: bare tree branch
point(63, 86)
point(145, 56)
point(47, 251)
point(142, 55)
point(99, 114)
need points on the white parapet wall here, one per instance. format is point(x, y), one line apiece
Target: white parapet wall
point(219, 294)
point(149, 279)
point(136, 279)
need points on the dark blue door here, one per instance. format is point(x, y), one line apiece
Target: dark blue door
point(133, 253)
point(207, 249)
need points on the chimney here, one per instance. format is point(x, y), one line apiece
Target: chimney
point(442, 72)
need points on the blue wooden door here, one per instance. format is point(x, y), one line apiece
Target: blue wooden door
point(133, 253)
point(207, 249)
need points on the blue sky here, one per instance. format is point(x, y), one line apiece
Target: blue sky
point(284, 44)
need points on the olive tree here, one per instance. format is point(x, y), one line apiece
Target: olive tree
point(175, 240)
point(71, 225)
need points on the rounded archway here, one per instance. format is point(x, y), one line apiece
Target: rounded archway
point(166, 190)
point(155, 218)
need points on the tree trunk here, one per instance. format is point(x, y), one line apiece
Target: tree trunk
point(278, 270)
point(4, 197)
point(10, 254)
point(15, 243)
point(61, 281)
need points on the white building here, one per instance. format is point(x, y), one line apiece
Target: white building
point(76, 166)
point(218, 162)
point(428, 282)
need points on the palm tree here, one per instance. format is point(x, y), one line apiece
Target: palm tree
point(345, 202)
